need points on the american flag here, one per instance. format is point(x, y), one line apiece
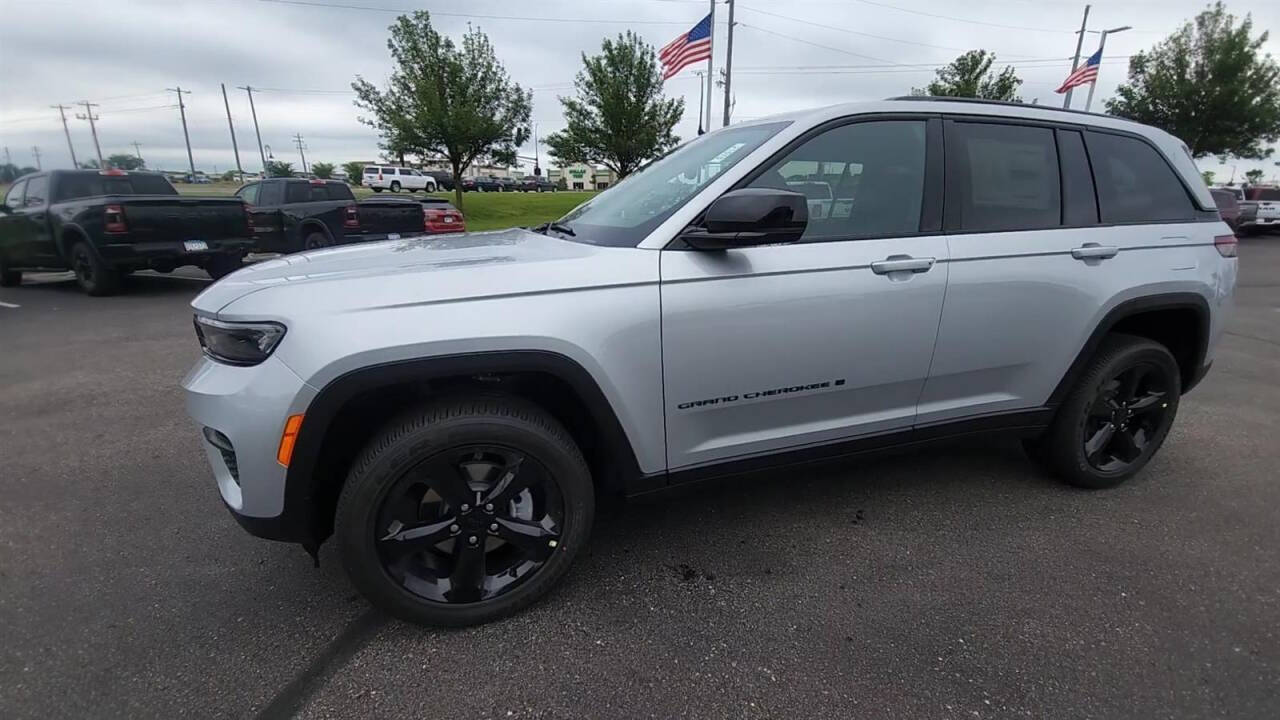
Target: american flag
point(1086, 74)
point(687, 49)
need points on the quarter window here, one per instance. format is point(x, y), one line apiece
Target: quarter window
point(249, 194)
point(1003, 177)
point(1135, 183)
point(14, 199)
point(860, 180)
point(37, 191)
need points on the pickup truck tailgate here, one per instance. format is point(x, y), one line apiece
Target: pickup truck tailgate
point(166, 218)
point(390, 216)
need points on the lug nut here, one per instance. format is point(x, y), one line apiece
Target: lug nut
point(454, 528)
point(472, 540)
point(488, 507)
point(493, 527)
point(465, 507)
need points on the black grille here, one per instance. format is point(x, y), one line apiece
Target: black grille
point(226, 449)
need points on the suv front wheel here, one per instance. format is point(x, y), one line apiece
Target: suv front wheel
point(464, 511)
point(1116, 417)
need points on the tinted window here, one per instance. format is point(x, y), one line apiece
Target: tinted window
point(307, 192)
point(1224, 200)
point(371, 171)
point(388, 171)
point(249, 193)
point(37, 191)
point(74, 185)
point(339, 191)
point(271, 193)
point(1003, 177)
point(1079, 204)
point(1135, 183)
point(14, 197)
point(861, 180)
point(1263, 194)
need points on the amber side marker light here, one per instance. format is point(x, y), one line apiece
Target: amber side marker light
point(288, 439)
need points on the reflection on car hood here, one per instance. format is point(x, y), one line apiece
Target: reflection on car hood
point(425, 269)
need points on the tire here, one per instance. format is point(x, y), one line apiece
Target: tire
point(411, 190)
point(422, 451)
point(376, 189)
point(8, 277)
point(395, 186)
point(220, 266)
point(1132, 387)
point(95, 277)
point(315, 240)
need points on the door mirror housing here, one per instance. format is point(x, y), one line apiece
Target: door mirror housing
point(750, 216)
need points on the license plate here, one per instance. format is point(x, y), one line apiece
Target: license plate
point(393, 236)
point(195, 245)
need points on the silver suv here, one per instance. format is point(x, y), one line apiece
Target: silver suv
point(793, 289)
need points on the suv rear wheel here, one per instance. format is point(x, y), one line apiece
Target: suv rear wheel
point(1116, 417)
point(395, 186)
point(464, 511)
point(94, 276)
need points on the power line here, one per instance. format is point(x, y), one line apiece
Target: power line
point(963, 20)
point(814, 44)
point(476, 16)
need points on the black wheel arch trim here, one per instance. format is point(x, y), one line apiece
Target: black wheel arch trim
point(1129, 308)
point(300, 522)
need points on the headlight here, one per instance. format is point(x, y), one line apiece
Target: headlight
point(237, 343)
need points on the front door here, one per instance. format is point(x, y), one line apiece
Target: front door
point(786, 346)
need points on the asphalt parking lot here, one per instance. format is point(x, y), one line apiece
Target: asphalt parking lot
point(953, 582)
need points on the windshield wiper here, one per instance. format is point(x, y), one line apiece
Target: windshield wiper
point(557, 226)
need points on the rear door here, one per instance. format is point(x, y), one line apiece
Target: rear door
point(37, 243)
point(265, 214)
point(1037, 257)
point(780, 347)
point(13, 226)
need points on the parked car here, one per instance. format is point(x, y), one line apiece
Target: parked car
point(1260, 209)
point(1228, 207)
point(291, 214)
point(535, 183)
point(443, 178)
point(490, 183)
point(104, 224)
point(395, 179)
point(441, 216)
point(450, 409)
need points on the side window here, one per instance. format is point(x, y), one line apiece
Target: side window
point(296, 192)
point(1002, 177)
point(14, 198)
point(1079, 202)
point(249, 194)
point(271, 194)
point(37, 191)
point(371, 171)
point(861, 180)
point(1135, 182)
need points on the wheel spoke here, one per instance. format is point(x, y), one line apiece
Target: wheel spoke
point(1132, 380)
point(1128, 446)
point(446, 478)
point(1147, 403)
point(1099, 440)
point(403, 539)
point(1103, 408)
point(466, 582)
point(531, 538)
point(510, 484)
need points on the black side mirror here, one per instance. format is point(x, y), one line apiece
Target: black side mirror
point(751, 216)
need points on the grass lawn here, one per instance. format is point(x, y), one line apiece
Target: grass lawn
point(483, 211)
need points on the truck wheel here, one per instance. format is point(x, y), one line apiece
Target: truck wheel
point(1116, 417)
point(464, 511)
point(315, 241)
point(94, 276)
point(220, 266)
point(376, 189)
point(395, 186)
point(9, 278)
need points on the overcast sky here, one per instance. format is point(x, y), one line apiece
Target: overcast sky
point(124, 53)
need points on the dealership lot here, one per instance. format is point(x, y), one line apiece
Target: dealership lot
point(948, 582)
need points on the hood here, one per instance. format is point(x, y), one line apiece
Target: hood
point(432, 268)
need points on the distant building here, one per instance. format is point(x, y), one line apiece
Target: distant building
point(583, 177)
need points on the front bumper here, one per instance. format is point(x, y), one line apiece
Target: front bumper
point(249, 406)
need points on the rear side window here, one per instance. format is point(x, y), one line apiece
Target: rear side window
point(1002, 177)
point(1224, 200)
point(249, 194)
point(371, 171)
point(339, 191)
point(1079, 203)
point(1135, 183)
point(388, 171)
point(309, 192)
point(14, 198)
point(37, 191)
point(271, 193)
point(1267, 194)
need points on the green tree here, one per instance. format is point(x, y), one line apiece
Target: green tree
point(125, 161)
point(1209, 85)
point(355, 171)
point(10, 172)
point(1208, 176)
point(444, 100)
point(322, 170)
point(619, 117)
point(279, 168)
point(1254, 176)
point(90, 164)
point(970, 75)
point(230, 176)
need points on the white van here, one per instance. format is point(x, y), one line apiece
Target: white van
point(395, 179)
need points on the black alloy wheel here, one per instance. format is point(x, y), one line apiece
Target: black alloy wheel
point(315, 241)
point(1126, 413)
point(94, 276)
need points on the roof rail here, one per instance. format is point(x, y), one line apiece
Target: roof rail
point(982, 101)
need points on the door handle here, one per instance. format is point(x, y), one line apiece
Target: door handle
point(902, 263)
point(1094, 250)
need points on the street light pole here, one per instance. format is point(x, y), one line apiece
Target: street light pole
point(1102, 43)
point(1075, 62)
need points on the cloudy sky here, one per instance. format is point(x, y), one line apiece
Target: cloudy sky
point(304, 54)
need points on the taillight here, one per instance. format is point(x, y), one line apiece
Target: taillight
point(351, 218)
point(248, 221)
point(439, 220)
point(113, 219)
point(1227, 245)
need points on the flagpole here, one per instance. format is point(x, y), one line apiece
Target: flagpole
point(711, 48)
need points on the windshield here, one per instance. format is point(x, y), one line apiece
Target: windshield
point(627, 212)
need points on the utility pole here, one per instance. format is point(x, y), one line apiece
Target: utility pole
point(1075, 62)
point(7, 160)
point(711, 56)
point(728, 66)
point(182, 111)
point(93, 129)
point(62, 112)
point(137, 150)
point(35, 150)
point(297, 142)
point(234, 147)
point(256, 131)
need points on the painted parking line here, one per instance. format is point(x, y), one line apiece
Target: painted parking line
point(9, 305)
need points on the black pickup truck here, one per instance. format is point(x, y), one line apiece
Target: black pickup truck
point(293, 214)
point(103, 224)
